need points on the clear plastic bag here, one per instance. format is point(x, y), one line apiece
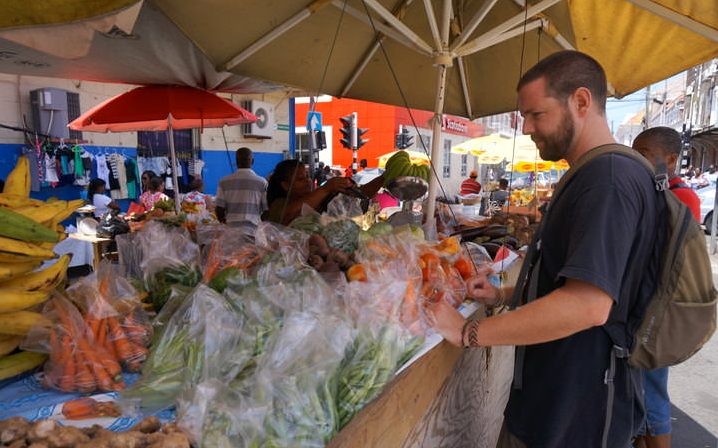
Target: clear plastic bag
point(344, 206)
point(78, 362)
point(197, 337)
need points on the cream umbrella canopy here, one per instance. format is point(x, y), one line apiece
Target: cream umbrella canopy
point(463, 57)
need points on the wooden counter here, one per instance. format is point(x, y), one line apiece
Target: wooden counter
point(449, 397)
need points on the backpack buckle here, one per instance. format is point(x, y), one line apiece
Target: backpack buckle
point(662, 183)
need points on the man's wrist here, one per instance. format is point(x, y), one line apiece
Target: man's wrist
point(470, 334)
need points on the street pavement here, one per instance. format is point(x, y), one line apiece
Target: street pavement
point(693, 388)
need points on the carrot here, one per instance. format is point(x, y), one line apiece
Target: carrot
point(125, 348)
point(66, 381)
point(102, 375)
point(84, 380)
point(136, 331)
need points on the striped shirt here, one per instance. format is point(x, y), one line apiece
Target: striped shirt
point(470, 186)
point(243, 195)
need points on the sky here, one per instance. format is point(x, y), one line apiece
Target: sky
point(618, 111)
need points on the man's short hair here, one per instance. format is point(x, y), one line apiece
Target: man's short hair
point(503, 182)
point(244, 156)
point(667, 139)
point(566, 71)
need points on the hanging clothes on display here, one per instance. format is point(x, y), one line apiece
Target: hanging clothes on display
point(102, 171)
point(51, 170)
point(132, 177)
point(35, 167)
point(117, 168)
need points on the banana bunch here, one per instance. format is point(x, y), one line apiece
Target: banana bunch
point(29, 230)
point(400, 165)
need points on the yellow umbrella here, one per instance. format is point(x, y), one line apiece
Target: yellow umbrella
point(416, 157)
point(480, 145)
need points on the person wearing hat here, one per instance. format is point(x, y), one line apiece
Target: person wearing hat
point(470, 185)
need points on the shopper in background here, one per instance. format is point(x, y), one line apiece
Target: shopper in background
point(155, 193)
point(196, 201)
point(501, 195)
point(595, 268)
point(471, 185)
point(96, 196)
point(241, 196)
point(662, 146)
point(145, 179)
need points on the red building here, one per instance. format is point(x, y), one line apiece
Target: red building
point(383, 123)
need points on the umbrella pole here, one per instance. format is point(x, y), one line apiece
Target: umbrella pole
point(430, 227)
point(173, 158)
point(443, 61)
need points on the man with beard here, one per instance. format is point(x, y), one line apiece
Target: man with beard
point(589, 274)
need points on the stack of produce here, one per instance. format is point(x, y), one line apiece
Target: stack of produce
point(400, 165)
point(149, 433)
point(29, 230)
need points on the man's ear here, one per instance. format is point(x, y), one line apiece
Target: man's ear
point(582, 100)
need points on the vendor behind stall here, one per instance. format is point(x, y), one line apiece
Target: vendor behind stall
point(154, 194)
point(96, 196)
point(290, 188)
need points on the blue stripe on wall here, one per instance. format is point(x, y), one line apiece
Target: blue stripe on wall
point(217, 165)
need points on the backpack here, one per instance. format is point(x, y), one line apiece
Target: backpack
point(681, 315)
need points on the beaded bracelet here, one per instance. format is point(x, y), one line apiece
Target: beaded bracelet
point(470, 334)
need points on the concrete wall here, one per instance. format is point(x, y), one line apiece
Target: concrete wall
point(15, 103)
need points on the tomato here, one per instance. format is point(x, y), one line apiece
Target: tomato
point(465, 267)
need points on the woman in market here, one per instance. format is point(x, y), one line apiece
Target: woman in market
point(290, 187)
point(154, 194)
point(146, 178)
point(96, 196)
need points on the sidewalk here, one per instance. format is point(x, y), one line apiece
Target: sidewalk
point(693, 390)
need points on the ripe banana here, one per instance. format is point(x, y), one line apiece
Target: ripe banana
point(20, 322)
point(16, 226)
point(12, 270)
point(9, 343)
point(69, 209)
point(16, 201)
point(23, 248)
point(18, 363)
point(15, 299)
point(45, 280)
point(18, 181)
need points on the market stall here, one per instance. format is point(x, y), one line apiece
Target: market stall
point(313, 333)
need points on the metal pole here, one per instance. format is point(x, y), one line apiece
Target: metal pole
point(355, 142)
point(714, 224)
point(292, 127)
point(175, 183)
point(312, 143)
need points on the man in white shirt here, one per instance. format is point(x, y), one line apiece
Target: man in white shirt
point(242, 196)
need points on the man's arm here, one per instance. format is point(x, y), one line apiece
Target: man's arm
point(574, 307)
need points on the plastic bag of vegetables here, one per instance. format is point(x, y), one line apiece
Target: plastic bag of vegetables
point(194, 342)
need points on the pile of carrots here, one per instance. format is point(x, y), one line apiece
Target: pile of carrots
point(88, 348)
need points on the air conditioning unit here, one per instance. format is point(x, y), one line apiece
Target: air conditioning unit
point(264, 126)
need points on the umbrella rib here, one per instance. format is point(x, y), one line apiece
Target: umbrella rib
point(432, 23)
point(478, 46)
point(677, 18)
point(359, 69)
point(473, 23)
point(384, 29)
point(398, 25)
point(275, 33)
point(501, 29)
point(465, 86)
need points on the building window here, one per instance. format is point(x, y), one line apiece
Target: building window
point(464, 163)
point(426, 143)
point(447, 158)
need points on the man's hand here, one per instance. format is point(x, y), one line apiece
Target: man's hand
point(446, 320)
point(479, 287)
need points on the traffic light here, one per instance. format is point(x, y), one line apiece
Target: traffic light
point(320, 140)
point(403, 139)
point(360, 141)
point(347, 130)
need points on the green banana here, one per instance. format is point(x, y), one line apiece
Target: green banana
point(16, 226)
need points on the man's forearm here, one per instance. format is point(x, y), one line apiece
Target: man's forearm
point(555, 316)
